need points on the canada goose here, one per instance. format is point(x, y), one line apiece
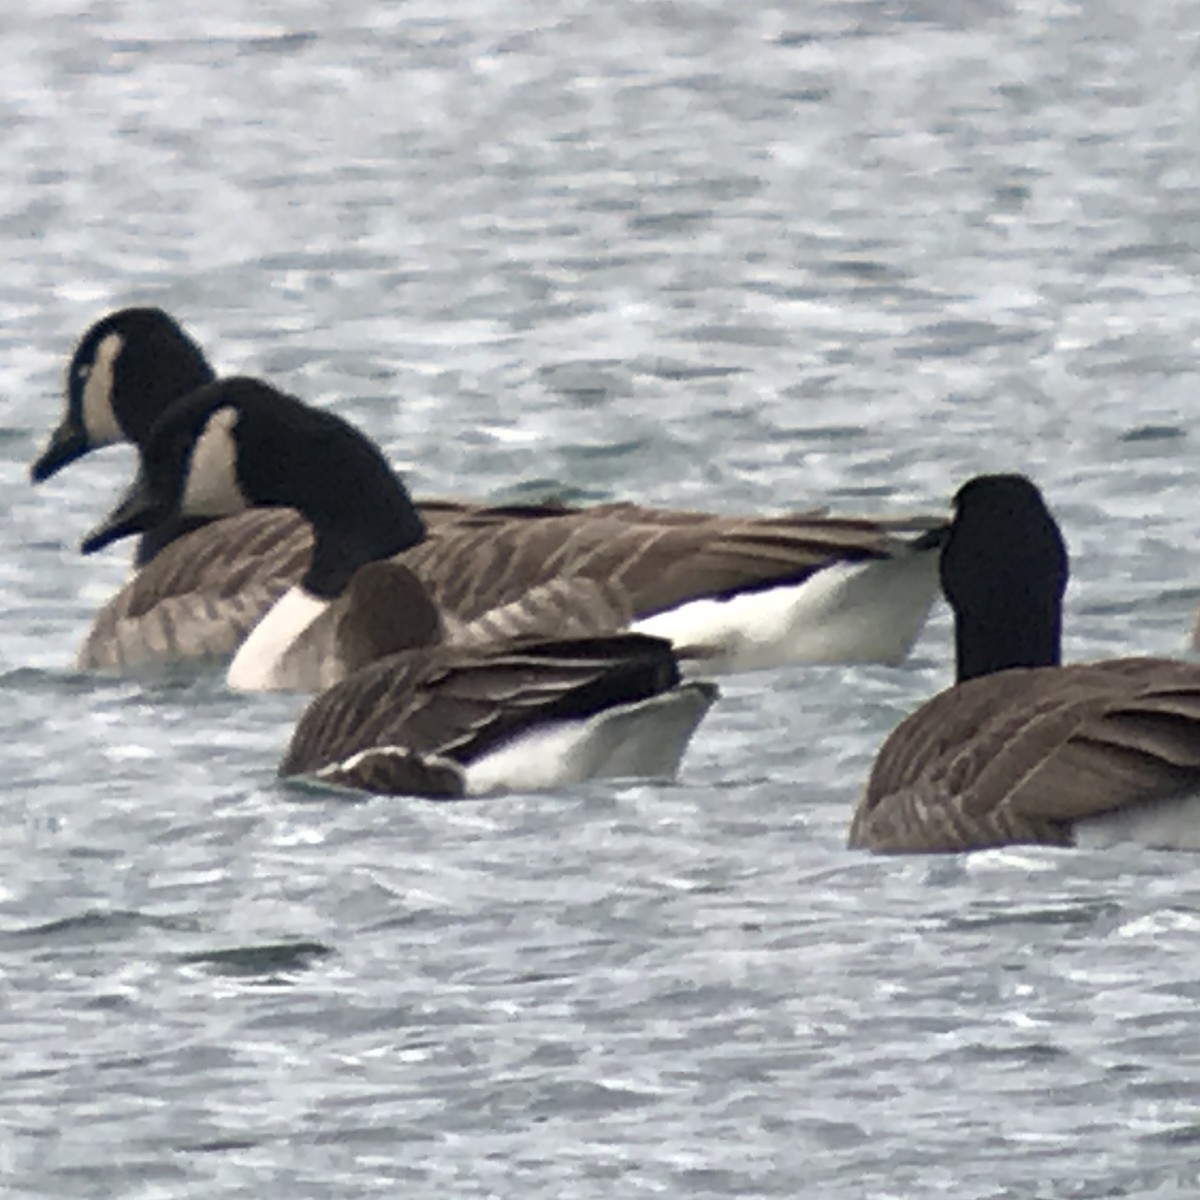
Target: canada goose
point(742, 593)
point(200, 585)
point(1022, 749)
point(421, 718)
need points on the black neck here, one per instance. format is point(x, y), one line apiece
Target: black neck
point(147, 388)
point(341, 484)
point(1004, 571)
point(1018, 632)
point(340, 546)
point(158, 365)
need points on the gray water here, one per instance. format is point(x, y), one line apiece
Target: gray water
point(732, 256)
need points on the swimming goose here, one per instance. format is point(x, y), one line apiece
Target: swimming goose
point(200, 584)
point(418, 717)
point(198, 587)
point(740, 593)
point(1022, 749)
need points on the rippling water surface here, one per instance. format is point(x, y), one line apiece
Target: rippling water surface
point(737, 256)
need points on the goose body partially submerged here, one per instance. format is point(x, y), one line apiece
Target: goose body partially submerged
point(737, 593)
point(1023, 749)
point(803, 587)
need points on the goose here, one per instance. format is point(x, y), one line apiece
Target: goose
point(739, 593)
point(1023, 749)
point(416, 716)
point(200, 584)
point(198, 587)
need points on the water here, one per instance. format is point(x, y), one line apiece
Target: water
point(730, 256)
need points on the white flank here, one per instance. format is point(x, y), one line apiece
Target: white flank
point(211, 487)
point(845, 613)
point(1165, 825)
point(646, 738)
point(99, 420)
point(257, 666)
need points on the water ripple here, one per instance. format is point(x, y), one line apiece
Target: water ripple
point(731, 257)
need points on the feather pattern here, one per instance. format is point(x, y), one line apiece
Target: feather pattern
point(1025, 754)
point(1021, 748)
point(413, 722)
point(200, 595)
point(574, 575)
point(202, 592)
point(471, 569)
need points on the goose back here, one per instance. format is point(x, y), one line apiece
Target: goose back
point(201, 595)
point(414, 722)
point(569, 576)
point(1025, 755)
point(476, 567)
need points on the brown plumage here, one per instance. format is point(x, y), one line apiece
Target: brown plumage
point(490, 579)
point(1023, 755)
point(876, 579)
point(1022, 749)
point(473, 567)
point(201, 594)
point(414, 723)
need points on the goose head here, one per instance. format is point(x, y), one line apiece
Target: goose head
point(240, 443)
point(127, 369)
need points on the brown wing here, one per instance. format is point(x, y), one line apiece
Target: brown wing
point(470, 568)
point(563, 608)
point(439, 511)
point(1022, 755)
point(201, 595)
point(225, 557)
point(452, 705)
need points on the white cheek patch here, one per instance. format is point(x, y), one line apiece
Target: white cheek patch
point(99, 419)
point(211, 488)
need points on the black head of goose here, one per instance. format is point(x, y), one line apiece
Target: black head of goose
point(126, 370)
point(239, 443)
point(419, 717)
point(1022, 749)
